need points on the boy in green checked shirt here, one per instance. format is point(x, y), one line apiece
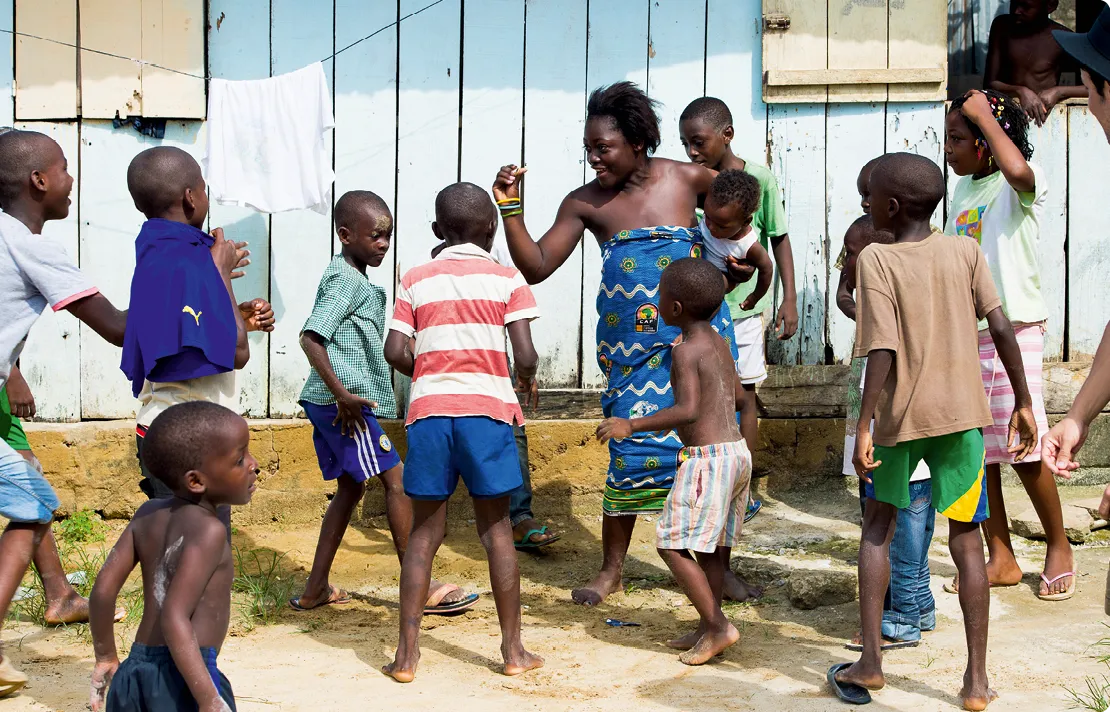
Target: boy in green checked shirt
point(348, 389)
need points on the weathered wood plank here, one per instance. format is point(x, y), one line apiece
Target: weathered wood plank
point(366, 114)
point(610, 57)
point(110, 84)
point(239, 48)
point(109, 224)
point(45, 72)
point(1088, 248)
point(7, 67)
point(51, 362)
point(554, 111)
point(856, 134)
point(733, 72)
point(804, 46)
point(1051, 152)
point(853, 84)
point(300, 241)
point(173, 36)
point(917, 37)
point(797, 136)
point(917, 128)
point(857, 54)
point(676, 64)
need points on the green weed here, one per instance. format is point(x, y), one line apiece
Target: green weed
point(1096, 697)
point(263, 586)
point(83, 527)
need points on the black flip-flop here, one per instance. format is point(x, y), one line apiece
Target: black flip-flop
point(886, 646)
point(848, 692)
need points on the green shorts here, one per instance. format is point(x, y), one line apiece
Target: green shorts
point(10, 429)
point(956, 462)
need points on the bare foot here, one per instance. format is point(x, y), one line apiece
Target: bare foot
point(1058, 561)
point(687, 641)
point(858, 674)
point(520, 662)
point(976, 697)
point(595, 591)
point(71, 609)
point(709, 645)
point(739, 590)
point(998, 575)
point(402, 670)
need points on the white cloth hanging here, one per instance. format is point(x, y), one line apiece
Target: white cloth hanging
point(268, 142)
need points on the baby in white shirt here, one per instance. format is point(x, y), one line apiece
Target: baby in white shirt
point(728, 240)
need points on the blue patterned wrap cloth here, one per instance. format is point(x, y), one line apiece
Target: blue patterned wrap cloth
point(634, 353)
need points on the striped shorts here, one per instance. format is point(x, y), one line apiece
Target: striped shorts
point(705, 508)
point(1000, 392)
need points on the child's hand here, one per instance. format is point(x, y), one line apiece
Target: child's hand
point(244, 259)
point(1022, 432)
point(258, 315)
point(532, 388)
point(224, 253)
point(748, 304)
point(614, 429)
point(739, 270)
point(216, 704)
point(864, 457)
point(977, 108)
point(20, 398)
point(102, 676)
point(507, 184)
point(349, 414)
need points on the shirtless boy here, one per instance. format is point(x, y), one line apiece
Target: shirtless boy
point(201, 451)
point(1024, 61)
point(705, 510)
point(640, 210)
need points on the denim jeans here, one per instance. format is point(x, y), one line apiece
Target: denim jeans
point(520, 501)
point(909, 607)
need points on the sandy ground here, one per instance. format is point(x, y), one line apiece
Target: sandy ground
point(329, 659)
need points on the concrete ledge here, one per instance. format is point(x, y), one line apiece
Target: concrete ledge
point(92, 465)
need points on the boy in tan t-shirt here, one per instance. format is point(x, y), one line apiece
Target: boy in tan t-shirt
point(918, 303)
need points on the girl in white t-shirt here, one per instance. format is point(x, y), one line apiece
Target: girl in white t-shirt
point(1000, 201)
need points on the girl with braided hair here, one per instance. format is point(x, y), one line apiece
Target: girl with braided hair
point(1000, 201)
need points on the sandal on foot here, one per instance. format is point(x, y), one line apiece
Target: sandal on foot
point(336, 597)
point(753, 509)
point(526, 543)
point(953, 587)
point(11, 680)
point(436, 607)
point(848, 692)
point(887, 645)
point(1062, 596)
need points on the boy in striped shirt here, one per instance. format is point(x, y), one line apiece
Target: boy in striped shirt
point(462, 408)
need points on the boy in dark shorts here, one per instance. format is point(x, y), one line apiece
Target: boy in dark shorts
point(348, 389)
point(1024, 61)
point(184, 338)
point(462, 408)
point(201, 452)
point(704, 512)
point(919, 300)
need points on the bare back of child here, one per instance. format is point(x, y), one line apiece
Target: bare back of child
point(704, 512)
point(201, 451)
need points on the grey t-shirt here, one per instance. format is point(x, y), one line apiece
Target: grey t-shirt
point(34, 271)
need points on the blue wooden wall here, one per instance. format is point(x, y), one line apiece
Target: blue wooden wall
point(455, 92)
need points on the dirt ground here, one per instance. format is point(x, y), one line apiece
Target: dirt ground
point(329, 659)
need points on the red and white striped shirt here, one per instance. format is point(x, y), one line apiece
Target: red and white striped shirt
point(458, 306)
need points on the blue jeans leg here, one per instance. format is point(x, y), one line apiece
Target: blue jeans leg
point(520, 501)
point(909, 607)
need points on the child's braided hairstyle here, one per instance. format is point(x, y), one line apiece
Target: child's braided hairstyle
point(1009, 115)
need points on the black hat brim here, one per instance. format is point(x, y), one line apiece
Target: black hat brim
point(1081, 50)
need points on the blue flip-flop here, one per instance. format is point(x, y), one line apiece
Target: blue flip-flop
point(753, 509)
point(848, 692)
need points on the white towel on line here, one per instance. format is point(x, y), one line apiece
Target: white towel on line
point(268, 142)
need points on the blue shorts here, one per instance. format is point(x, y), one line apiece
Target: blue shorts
point(149, 680)
point(367, 454)
point(25, 495)
point(482, 450)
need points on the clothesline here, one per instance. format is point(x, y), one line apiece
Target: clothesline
point(206, 76)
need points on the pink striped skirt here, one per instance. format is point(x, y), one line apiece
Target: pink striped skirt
point(1000, 392)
